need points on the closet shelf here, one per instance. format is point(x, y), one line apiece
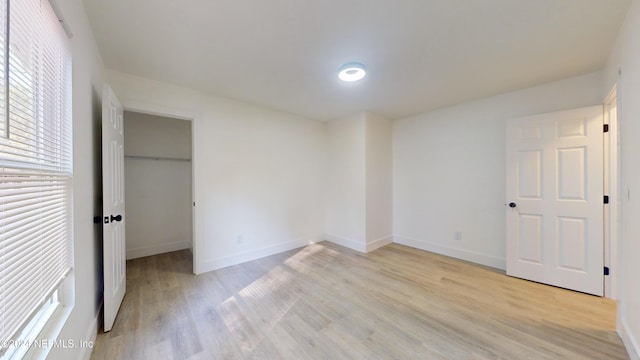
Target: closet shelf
point(135, 157)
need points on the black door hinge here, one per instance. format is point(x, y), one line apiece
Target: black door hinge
point(97, 219)
point(605, 128)
point(606, 271)
point(606, 199)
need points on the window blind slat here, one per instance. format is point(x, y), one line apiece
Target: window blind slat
point(29, 249)
point(26, 197)
point(32, 222)
point(24, 202)
point(23, 139)
point(36, 206)
point(26, 251)
point(17, 164)
point(24, 239)
point(22, 272)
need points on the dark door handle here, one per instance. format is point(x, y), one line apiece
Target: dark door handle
point(116, 218)
point(511, 205)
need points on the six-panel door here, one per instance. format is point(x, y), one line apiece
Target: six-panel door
point(555, 182)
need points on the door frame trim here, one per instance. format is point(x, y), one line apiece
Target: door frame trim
point(180, 114)
point(611, 174)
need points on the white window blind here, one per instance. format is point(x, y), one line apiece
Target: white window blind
point(35, 160)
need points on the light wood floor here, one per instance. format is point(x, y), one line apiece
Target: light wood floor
point(327, 302)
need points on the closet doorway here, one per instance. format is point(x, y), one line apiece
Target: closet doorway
point(158, 184)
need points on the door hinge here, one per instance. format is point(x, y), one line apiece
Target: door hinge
point(606, 271)
point(97, 219)
point(605, 127)
point(606, 199)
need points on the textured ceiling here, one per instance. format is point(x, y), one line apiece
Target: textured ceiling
point(421, 54)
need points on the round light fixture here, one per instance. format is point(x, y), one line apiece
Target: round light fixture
point(351, 72)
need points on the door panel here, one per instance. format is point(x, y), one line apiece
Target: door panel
point(113, 206)
point(572, 239)
point(529, 174)
point(555, 180)
point(530, 238)
point(572, 173)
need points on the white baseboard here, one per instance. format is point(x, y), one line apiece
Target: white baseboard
point(376, 244)
point(629, 341)
point(473, 256)
point(91, 335)
point(348, 243)
point(156, 249)
point(222, 262)
point(357, 246)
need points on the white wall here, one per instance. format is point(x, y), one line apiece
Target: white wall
point(156, 136)
point(626, 56)
point(157, 190)
point(379, 174)
point(345, 179)
point(449, 169)
point(258, 173)
point(359, 178)
point(87, 270)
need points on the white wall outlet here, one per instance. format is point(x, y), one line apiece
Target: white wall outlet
point(457, 235)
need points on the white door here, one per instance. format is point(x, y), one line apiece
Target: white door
point(555, 199)
point(113, 216)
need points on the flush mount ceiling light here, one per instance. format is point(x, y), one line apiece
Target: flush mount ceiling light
point(351, 72)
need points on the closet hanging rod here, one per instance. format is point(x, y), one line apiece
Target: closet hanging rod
point(135, 157)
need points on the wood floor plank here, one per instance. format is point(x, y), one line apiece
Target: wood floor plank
point(324, 301)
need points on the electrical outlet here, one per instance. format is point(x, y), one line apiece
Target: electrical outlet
point(457, 235)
